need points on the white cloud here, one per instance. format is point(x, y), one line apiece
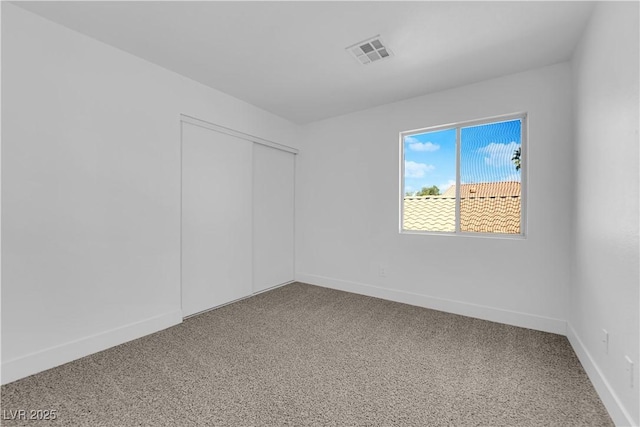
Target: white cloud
point(415, 145)
point(410, 140)
point(416, 170)
point(498, 154)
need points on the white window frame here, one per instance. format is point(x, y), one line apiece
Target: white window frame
point(524, 169)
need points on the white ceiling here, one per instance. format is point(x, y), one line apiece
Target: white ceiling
point(289, 58)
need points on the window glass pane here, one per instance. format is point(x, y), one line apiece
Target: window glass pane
point(490, 195)
point(429, 181)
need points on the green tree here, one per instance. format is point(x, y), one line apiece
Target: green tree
point(428, 191)
point(516, 158)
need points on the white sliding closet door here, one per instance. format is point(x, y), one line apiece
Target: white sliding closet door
point(273, 221)
point(216, 218)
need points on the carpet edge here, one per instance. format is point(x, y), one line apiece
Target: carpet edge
point(513, 318)
point(29, 364)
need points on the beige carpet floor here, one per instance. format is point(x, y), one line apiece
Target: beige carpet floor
point(304, 355)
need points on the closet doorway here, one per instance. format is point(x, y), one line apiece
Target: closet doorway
point(237, 222)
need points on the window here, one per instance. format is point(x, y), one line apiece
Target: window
point(465, 178)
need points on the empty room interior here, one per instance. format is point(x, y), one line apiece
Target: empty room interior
point(320, 213)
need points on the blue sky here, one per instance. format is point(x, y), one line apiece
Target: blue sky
point(485, 156)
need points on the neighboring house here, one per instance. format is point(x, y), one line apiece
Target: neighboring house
point(430, 213)
point(485, 189)
point(492, 207)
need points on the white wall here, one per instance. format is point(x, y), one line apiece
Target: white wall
point(604, 292)
point(347, 207)
point(91, 190)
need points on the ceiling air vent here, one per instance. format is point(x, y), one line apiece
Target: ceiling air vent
point(370, 50)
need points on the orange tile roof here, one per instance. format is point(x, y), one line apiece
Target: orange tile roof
point(482, 211)
point(490, 214)
point(485, 189)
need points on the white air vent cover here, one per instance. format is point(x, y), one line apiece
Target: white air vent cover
point(370, 50)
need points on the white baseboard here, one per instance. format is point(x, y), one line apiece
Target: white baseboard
point(617, 411)
point(545, 324)
point(33, 363)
